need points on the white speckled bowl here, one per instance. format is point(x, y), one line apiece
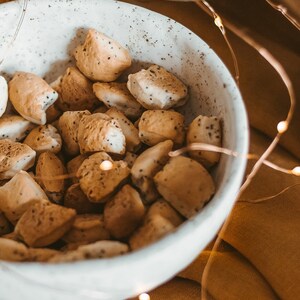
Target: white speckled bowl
point(50, 32)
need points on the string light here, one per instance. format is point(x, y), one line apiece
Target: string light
point(250, 156)
point(285, 13)
point(106, 165)
point(219, 23)
point(296, 171)
point(282, 126)
point(144, 296)
point(259, 200)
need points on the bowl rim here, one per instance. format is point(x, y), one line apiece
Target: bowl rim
point(233, 184)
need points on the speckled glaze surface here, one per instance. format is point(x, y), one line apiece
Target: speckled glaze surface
point(51, 31)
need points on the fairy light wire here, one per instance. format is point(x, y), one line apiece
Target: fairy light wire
point(281, 129)
point(284, 11)
point(286, 80)
point(266, 198)
point(207, 147)
point(219, 23)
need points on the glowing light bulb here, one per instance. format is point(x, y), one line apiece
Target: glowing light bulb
point(296, 171)
point(106, 165)
point(218, 22)
point(144, 296)
point(282, 126)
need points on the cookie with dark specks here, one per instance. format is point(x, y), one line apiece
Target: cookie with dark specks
point(156, 88)
point(31, 96)
point(13, 251)
point(156, 126)
point(185, 184)
point(44, 223)
point(68, 126)
point(124, 212)
point(205, 130)
point(44, 138)
point(75, 92)
point(14, 157)
point(48, 167)
point(116, 94)
point(87, 228)
point(101, 58)
point(14, 127)
point(147, 165)
point(18, 194)
point(98, 184)
point(100, 249)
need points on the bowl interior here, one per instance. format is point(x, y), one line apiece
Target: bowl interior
point(51, 31)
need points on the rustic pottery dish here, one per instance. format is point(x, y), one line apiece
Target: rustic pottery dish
point(50, 32)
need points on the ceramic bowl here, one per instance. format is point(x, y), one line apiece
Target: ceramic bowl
point(51, 31)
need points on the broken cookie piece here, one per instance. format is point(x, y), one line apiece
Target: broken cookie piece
point(156, 126)
point(100, 249)
point(12, 250)
point(156, 88)
point(75, 92)
point(5, 226)
point(185, 184)
point(31, 96)
point(75, 198)
point(73, 166)
point(124, 212)
point(162, 208)
point(101, 58)
point(130, 132)
point(152, 230)
point(14, 157)
point(146, 165)
point(44, 223)
point(14, 127)
point(98, 184)
point(40, 254)
point(99, 132)
point(18, 194)
point(205, 130)
point(44, 138)
point(49, 169)
point(116, 94)
point(87, 228)
point(68, 126)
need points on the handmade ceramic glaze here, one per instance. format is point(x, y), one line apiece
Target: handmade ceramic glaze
point(50, 32)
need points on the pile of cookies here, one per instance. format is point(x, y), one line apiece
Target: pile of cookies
point(84, 161)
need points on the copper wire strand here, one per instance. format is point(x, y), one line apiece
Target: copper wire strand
point(219, 23)
point(284, 11)
point(56, 177)
point(190, 147)
point(266, 198)
point(212, 148)
point(286, 80)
